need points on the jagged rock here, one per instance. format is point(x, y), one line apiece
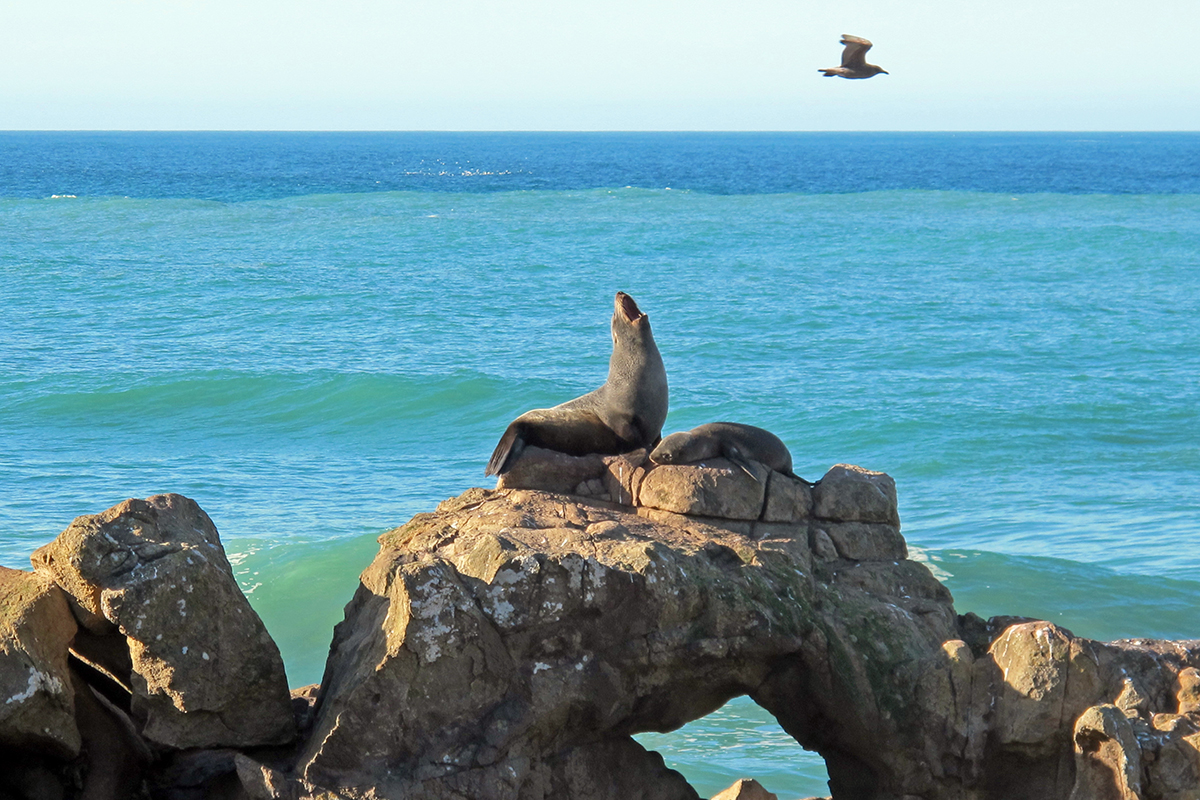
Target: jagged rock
point(623, 476)
point(1049, 678)
point(304, 700)
point(746, 789)
point(1188, 694)
point(551, 471)
point(509, 644)
point(1055, 729)
point(1175, 770)
point(204, 671)
point(853, 494)
point(115, 756)
point(823, 546)
point(513, 633)
point(37, 706)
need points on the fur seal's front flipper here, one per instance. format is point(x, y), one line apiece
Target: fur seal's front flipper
point(624, 414)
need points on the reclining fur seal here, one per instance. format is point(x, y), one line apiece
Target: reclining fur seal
point(731, 440)
point(626, 413)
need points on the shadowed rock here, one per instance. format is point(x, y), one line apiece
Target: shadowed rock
point(854, 60)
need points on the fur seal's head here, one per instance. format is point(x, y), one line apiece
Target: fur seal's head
point(682, 447)
point(628, 318)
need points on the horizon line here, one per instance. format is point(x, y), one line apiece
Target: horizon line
point(594, 130)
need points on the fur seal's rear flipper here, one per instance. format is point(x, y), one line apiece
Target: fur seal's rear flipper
point(510, 446)
point(731, 440)
point(624, 414)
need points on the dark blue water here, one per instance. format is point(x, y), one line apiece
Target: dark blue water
point(255, 166)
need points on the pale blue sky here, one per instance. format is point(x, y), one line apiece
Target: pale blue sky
point(621, 65)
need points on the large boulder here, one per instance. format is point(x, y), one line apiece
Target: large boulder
point(152, 586)
point(37, 706)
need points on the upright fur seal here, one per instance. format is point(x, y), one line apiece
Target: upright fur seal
point(732, 440)
point(626, 413)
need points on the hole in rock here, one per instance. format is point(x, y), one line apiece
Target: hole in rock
point(740, 740)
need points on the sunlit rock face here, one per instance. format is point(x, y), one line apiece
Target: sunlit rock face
point(163, 617)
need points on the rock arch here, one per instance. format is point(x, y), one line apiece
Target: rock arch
point(739, 740)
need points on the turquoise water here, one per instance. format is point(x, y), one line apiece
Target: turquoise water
point(1006, 325)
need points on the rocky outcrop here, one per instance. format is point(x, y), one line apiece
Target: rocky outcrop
point(510, 643)
point(573, 625)
point(130, 643)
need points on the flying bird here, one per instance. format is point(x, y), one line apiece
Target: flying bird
point(854, 60)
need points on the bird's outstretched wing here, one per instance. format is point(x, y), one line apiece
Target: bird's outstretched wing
point(855, 54)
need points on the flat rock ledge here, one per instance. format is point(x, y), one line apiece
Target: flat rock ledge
point(509, 644)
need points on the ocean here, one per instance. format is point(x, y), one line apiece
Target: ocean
point(318, 335)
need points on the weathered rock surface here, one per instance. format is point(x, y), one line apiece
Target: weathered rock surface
point(151, 584)
point(716, 491)
point(566, 624)
point(853, 494)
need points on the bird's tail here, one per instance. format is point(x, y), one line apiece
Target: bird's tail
point(828, 73)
